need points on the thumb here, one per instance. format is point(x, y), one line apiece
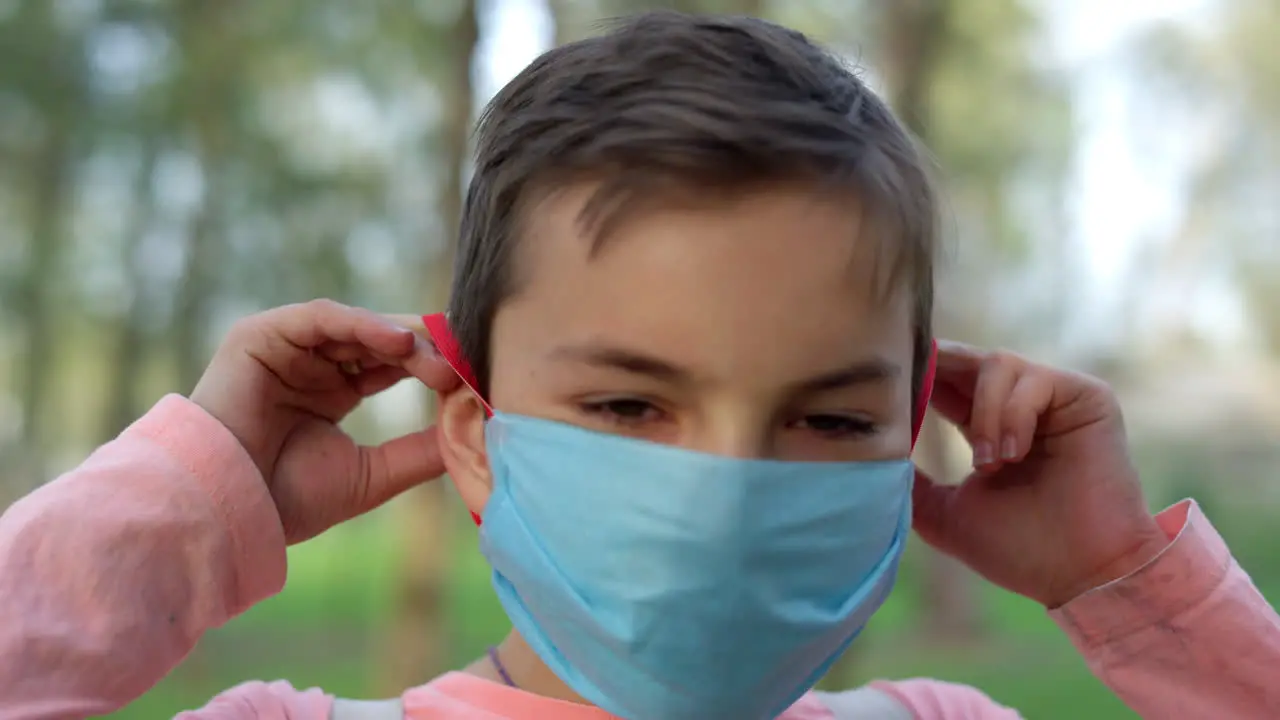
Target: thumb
point(395, 466)
point(930, 509)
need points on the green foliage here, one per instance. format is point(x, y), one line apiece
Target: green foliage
point(1224, 76)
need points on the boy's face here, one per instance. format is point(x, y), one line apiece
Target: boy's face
point(748, 328)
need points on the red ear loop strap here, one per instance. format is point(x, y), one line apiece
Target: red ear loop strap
point(447, 345)
point(926, 393)
point(438, 327)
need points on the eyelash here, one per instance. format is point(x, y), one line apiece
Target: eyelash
point(622, 411)
point(608, 409)
point(847, 427)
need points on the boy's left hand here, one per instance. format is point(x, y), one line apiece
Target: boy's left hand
point(1054, 507)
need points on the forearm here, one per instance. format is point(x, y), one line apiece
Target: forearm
point(110, 574)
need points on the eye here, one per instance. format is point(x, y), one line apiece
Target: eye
point(623, 411)
point(836, 427)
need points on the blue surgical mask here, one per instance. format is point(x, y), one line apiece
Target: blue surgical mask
point(665, 584)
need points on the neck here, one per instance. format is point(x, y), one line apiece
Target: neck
point(526, 670)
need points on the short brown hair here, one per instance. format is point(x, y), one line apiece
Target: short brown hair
point(719, 103)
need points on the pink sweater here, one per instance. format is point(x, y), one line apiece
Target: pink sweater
point(110, 574)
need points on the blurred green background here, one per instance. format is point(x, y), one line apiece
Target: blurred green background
point(167, 166)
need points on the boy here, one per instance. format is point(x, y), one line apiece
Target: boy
point(705, 234)
point(694, 289)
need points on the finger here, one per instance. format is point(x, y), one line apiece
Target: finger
point(396, 466)
point(312, 324)
point(298, 370)
point(959, 364)
point(1030, 398)
point(412, 322)
point(930, 502)
point(355, 359)
point(376, 380)
point(423, 363)
point(952, 404)
point(336, 352)
point(333, 364)
point(427, 365)
point(1000, 372)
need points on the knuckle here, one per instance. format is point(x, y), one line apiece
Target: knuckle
point(1003, 360)
point(1102, 390)
point(323, 306)
point(247, 329)
point(1097, 385)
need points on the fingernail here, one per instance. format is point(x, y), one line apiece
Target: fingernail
point(983, 453)
point(1009, 448)
point(397, 329)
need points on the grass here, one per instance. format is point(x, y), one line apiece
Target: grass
point(323, 631)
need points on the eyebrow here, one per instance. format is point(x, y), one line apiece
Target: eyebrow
point(869, 371)
point(863, 372)
point(617, 358)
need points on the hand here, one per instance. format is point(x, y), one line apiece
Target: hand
point(283, 380)
point(1054, 507)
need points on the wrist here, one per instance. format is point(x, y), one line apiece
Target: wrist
point(1144, 545)
point(251, 442)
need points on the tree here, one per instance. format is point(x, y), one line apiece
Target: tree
point(1222, 78)
point(130, 350)
point(419, 641)
point(56, 86)
point(949, 69)
point(916, 37)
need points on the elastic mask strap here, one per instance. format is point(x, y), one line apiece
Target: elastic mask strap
point(447, 345)
point(926, 393)
point(438, 327)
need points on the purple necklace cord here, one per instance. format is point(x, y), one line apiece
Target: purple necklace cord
point(497, 665)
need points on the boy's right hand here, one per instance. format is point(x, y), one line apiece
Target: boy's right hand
point(283, 380)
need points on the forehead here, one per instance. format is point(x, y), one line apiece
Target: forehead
point(763, 282)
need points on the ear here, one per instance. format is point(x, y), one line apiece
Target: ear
point(461, 423)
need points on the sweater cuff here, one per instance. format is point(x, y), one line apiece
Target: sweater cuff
point(224, 470)
point(1183, 575)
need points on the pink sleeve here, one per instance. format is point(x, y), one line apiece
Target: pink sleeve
point(111, 573)
point(1187, 635)
point(265, 701)
point(937, 700)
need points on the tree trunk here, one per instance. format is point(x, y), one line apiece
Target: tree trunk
point(204, 32)
point(916, 32)
point(51, 182)
point(127, 358)
point(562, 14)
point(749, 8)
point(52, 185)
point(191, 317)
point(418, 646)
